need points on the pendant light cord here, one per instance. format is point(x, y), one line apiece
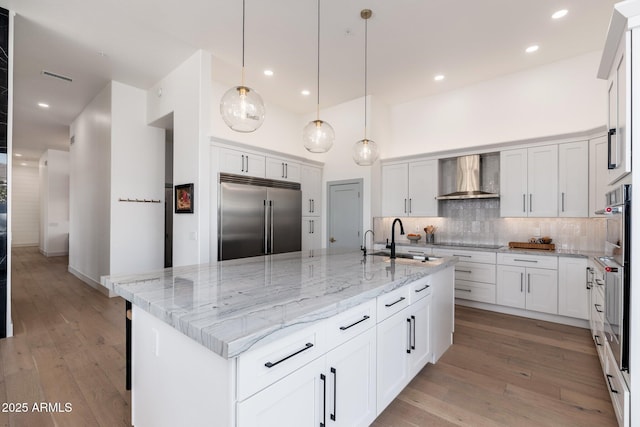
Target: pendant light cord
point(365, 76)
point(318, 85)
point(243, 13)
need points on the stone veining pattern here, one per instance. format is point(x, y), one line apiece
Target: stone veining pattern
point(231, 306)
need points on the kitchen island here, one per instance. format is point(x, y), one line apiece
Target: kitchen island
point(288, 339)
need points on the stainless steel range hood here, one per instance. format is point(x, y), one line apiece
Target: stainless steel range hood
point(468, 180)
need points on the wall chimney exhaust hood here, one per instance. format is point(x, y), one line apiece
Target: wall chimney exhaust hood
point(468, 180)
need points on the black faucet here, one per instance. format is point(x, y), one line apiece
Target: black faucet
point(392, 246)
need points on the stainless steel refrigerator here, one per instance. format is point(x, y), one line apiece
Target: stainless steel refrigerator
point(257, 216)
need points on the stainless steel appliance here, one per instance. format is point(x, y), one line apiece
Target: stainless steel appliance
point(617, 268)
point(257, 216)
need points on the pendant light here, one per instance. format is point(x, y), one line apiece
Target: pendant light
point(241, 107)
point(318, 135)
point(365, 152)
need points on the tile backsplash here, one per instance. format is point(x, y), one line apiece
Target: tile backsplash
point(478, 222)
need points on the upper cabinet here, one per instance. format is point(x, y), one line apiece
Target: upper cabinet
point(529, 182)
point(410, 189)
point(573, 179)
point(241, 163)
point(282, 169)
point(598, 174)
point(311, 183)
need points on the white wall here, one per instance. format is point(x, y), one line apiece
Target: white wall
point(137, 172)
point(54, 203)
point(186, 92)
point(558, 98)
point(25, 209)
point(90, 189)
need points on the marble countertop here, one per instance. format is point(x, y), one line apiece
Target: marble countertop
point(232, 306)
point(493, 248)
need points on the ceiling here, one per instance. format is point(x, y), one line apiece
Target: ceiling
point(410, 41)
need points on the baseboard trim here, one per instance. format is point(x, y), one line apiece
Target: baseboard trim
point(51, 254)
point(554, 318)
point(89, 281)
point(24, 245)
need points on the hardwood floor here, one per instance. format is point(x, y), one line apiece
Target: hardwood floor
point(502, 370)
point(507, 371)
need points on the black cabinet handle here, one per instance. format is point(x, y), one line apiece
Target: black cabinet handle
point(344, 328)
point(422, 289)
point(413, 334)
point(324, 400)
point(613, 390)
point(408, 336)
point(596, 338)
point(335, 381)
point(610, 165)
point(463, 290)
point(395, 302)
point(597, 309)
point(307, 346)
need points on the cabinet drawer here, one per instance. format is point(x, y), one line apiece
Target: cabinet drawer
point(468, 256)
point(617, 388)
point(392, 302)
point(420, 289)
point(346, 325)
point(474, 272)
point(526, 260)
point(475, 291)
point(263, 366)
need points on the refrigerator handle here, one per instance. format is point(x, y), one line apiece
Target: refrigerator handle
point(271, 226)
point(266, 230)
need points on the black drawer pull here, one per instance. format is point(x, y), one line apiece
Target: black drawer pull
point(463, 290)
point(462, 256)
point(613, 390)
point(395, 302)
point(344, 328)
point(597, 309)
point(464, 271)
point(596, 338)
point(422, 289)
point(525, 260)
point(307, 346)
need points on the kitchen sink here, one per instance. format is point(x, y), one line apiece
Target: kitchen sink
point(422, 258)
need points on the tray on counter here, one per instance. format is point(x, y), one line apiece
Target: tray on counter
point(538, 246)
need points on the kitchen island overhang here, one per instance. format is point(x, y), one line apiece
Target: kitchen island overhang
point(231, 306)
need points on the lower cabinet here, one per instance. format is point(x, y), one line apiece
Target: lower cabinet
point(338, 389)
point(573, 291)
point(528, 288)
point(311, 233)
point(404, 348)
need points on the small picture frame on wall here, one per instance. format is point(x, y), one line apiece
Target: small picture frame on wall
point(184, 198)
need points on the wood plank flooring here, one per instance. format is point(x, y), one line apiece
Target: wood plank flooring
point(501, 371)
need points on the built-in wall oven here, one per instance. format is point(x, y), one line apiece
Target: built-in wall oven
point(616, 267)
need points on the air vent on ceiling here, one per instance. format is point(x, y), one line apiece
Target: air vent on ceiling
point(57, 76)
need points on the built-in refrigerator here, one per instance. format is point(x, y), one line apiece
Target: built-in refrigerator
point(257, 216)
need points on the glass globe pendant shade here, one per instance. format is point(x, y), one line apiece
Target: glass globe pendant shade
point(242, 109)
point(365, 152)
point(318, 136)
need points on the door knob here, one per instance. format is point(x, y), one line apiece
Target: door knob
point(332, 240)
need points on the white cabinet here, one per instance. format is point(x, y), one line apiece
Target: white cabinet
point(532, 288)
point(311, 233)
point(529, 182)
point(311, 186)
point(573, 179)
point(598, 174)
point(240, 162)
point(403, 349)
point(475, 274)
point(282, 169)
point(573, 293)
point(410, 189)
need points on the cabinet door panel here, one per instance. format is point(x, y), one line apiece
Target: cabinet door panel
point(351, 384)
point(395, 187)
point(510, 286)
point(392, 371)
point(542, 182)
point(542, 290)
point(573, 295)
point(296, 400)
point(311, 186)
point(423, 188)
point(420, 340)
point(573, 179)
point(513, 183)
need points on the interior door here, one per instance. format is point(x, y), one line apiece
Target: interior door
point(345, 215)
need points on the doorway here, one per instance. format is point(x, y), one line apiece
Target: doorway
point(168, 198)
point(344, 218)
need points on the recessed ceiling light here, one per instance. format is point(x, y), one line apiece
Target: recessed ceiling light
point(532, 48)
point(559, 14)
point(268, 73)
point(43, 105)
point(305, 92)
point(17, 154)
point(438, 77)
point(23, 164)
